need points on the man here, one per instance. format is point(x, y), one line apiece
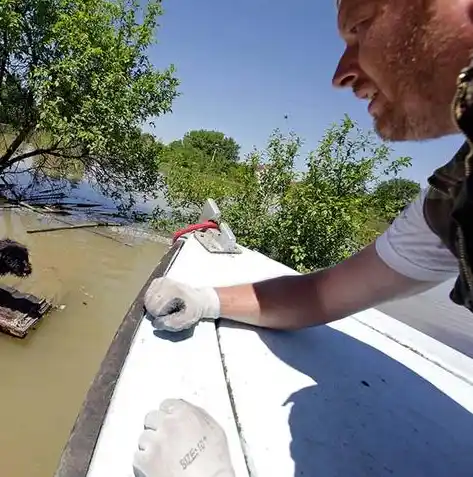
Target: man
point(405, 57)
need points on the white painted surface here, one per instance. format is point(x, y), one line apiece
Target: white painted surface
point(434, 314)
point(446, 357)
point(339, 400)
point(157, 369)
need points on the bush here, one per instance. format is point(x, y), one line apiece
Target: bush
point(306, 220)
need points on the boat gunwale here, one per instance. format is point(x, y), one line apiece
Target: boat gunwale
point(78, 452)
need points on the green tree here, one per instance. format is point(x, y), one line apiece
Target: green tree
point(194, 169)
point(329, 215)
point(307, 220)
point(392, 196)
point(190, 180)
point(76, 85)
point(217, 150)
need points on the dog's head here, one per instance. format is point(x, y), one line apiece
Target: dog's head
point(14, 259)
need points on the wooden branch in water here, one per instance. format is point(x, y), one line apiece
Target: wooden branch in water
point(30, 207)
point(70, 227)
point(45, 197)
point(41, 212)
point(82, 204)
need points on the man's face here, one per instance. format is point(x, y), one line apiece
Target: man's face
point(404, 56)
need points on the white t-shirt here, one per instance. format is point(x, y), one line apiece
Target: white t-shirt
point(410, 247)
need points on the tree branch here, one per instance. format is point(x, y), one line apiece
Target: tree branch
point(12, 148)
point(26, 155)
point(35, 152)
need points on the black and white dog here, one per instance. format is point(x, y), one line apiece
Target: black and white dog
point(14, 259)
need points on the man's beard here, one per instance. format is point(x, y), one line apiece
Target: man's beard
point(426, 121)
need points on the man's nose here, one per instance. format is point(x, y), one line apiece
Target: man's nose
point(348, 70)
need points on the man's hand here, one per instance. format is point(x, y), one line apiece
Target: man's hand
point(181, 439)
point(176, 306)
point(287, 302)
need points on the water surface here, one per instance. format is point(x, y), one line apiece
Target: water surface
point(45, 376)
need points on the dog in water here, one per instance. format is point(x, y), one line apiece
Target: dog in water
point(14, 259)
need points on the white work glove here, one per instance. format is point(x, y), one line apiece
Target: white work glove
point(182, 440)
point(176, 306)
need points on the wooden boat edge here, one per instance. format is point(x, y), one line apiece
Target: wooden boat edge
point(78, 452)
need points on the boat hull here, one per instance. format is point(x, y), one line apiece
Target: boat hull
point(364, 396)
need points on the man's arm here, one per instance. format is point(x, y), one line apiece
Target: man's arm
point(408, 258)
point(299, 301)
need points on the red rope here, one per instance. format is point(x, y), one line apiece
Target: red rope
point(192, 228)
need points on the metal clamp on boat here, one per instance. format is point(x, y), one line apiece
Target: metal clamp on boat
point(211, 232)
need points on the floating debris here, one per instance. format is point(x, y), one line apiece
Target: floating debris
point(70, 227)
point(19, 312)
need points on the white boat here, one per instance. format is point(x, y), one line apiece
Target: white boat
point(365, 396)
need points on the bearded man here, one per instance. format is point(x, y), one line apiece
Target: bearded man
point(410, 59)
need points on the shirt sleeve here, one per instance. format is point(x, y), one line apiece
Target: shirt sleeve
point(410, 247)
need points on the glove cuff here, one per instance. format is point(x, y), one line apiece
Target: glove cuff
point(210, 303)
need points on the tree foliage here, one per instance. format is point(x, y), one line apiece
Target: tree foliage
point(194, 170)
point(307, 220)
point(76, 74)
point(217, 150)
point(394, 195)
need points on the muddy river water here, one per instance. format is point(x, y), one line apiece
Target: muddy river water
point(46, 375)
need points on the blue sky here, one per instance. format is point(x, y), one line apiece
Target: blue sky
point(244, 65)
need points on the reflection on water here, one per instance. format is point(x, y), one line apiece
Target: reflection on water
point(46, 375)
point(32, 186)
